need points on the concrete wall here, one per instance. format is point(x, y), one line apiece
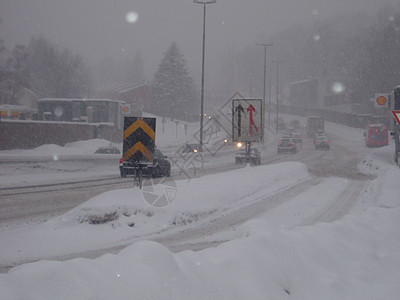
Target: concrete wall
point(31, 134)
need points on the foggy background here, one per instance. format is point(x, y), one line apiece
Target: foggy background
point(98, 29)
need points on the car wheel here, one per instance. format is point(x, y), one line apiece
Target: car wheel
point(156, 173)
point(122, 172)
point(169, 171)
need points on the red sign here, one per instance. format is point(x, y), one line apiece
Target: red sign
point(396, 114)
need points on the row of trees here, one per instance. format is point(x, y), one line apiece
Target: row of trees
point(45, 70)
point(362, 50)
point(51, 72)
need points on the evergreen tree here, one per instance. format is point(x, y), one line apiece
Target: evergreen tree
point(172, 87)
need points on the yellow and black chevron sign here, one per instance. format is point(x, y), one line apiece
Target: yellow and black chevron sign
point(139, 139)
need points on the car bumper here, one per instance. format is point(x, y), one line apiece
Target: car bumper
point(291, 149)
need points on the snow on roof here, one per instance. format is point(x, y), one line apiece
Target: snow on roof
point(20, 108)
point(72, 100)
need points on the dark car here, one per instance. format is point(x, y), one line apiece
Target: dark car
point(322, 142)
point(159, 168)
point(191, 148)
point(287, 145)
point(241, 157)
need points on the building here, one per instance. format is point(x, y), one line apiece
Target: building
point(138, 96)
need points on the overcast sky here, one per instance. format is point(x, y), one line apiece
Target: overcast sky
point(98, 28)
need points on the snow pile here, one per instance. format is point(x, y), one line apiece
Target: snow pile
point(350, 259)
point(70, 149)
point(355, 257)
point(120, 216)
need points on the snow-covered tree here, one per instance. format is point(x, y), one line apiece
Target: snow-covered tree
point(172, 87)
point(56, 73)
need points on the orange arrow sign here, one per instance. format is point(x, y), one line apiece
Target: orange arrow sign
point(396, 114)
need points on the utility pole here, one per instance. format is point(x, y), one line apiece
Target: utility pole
point(396, 127)
point(277, 96)
point(204, 2)
point(265, 74)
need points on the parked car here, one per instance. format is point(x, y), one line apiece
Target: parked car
point(159, 168)
point(322, 142)
point(242, 158)
point(286, 144)
point(191, 148)
point(107, 150)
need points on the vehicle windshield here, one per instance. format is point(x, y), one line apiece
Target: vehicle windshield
point(158, 154)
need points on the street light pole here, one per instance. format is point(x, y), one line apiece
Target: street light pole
point(204, 2)
point(277, 95)
point(265, 73)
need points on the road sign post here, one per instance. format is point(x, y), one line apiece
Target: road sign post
point(138, 145)
point(139, 139)
point(247, 120)
point(396, 135)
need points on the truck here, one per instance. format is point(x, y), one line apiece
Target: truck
point(315, 124)
point(376, 135)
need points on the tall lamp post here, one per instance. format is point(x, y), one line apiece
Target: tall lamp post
point(265, 73)
point(204, 3)
point(277, 95)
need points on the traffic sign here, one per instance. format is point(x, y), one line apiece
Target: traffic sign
point(247, 119)
point(382, 100)
point(126, 109)
point(396, 114)
point(139, 139)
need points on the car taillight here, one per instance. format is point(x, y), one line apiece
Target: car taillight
point(121, 160)
point(292, 144)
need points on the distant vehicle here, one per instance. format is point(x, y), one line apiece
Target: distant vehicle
point(315, 124)
point(295, 124)
point(241, 157)
point(191, 148)
point(376, 135)
point(286, 144)
point(161, 167)
point(296, 137)
point(281, 123)
point(322, 142)
point(107, 150)
point(318, 135)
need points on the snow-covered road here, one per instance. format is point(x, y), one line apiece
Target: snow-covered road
point(330, 214)
point(34, 205)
